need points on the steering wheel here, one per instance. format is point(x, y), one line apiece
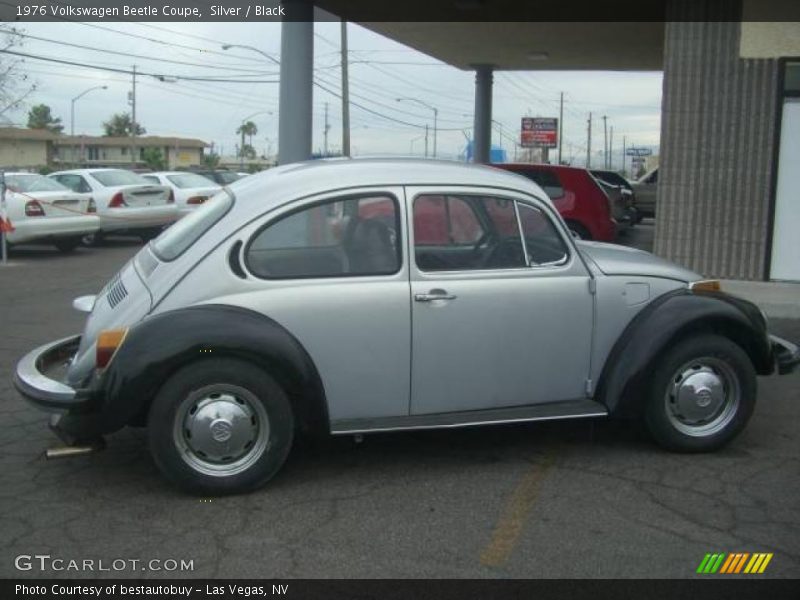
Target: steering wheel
point(507, 252)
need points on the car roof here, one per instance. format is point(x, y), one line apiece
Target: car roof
point(540, 166)
point(89, 170)
point(285, 182)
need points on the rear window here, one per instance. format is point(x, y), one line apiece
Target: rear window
point(190, 180)
point(117, 177)
point(33, 183)
point(228, 177)
point(547, 180)
point(178, 238)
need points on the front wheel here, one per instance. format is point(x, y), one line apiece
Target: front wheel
point(702, 394)
point(220, 426)
point(67, 244)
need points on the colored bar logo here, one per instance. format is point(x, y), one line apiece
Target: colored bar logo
point(734, 563)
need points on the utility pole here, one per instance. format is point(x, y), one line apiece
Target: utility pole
point(133, 118)
point(605, 142)
point(345, 94)
point(426, 140)
point(589, 144)
point(326, 130)
point(624, 140)
point(560, 126)
point(611, 149)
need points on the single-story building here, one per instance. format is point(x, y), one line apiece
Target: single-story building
point(32, 148)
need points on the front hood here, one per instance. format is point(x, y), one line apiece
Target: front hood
point(612, 259)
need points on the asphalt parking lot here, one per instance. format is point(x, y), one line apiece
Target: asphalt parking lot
point(568, 499)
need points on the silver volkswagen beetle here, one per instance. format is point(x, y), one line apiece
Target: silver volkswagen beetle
point(359, 296)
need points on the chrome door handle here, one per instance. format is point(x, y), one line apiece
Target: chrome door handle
point(434, 296)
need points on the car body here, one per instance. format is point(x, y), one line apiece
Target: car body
point(577, 196)
point(43, 210)
point(289, 302)
point(126, 203)
point(190, 189)
point(220, 176)
point(614, 179)
point(645, 190)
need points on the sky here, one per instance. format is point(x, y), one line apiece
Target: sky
point(381, 71)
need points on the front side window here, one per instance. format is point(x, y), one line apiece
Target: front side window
point(355, 236)
point(457, 233)
point(544, 244)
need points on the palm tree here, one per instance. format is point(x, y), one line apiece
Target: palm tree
point(249, 129)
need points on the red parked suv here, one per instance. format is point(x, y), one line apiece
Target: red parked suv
point(576, 195)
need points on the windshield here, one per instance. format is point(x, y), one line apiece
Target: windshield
point(33, 183)
point(115, 177)
point(190, 180)
point(178, 238)
point(229, 177)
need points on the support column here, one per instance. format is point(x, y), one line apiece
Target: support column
point(482, 140)
point(296, 86)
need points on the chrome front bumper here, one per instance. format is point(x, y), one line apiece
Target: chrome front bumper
point(787, 355)
point(34, 377)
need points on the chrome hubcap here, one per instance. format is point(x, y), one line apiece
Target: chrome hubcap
point(702, 397)
point(221, 429)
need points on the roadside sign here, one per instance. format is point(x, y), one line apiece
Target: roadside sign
point(539, 132)
point(632, 151)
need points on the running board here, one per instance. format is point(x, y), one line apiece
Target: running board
point(574, 409)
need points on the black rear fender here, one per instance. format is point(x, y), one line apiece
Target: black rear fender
point(162, 344)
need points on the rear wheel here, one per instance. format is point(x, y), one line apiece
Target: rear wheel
point(94, 239)
point(702, 394)
point(220, 426)
point(67, 244)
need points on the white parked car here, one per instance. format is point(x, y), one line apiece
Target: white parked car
point(43, 210)
point(126, 202)
point(190, 189)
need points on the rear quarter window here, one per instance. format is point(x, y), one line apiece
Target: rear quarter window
point(180, 236)
point(547, 180)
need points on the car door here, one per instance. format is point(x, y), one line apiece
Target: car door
point(495, 322)
point(333, 272)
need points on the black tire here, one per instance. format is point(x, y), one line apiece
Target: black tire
point(67, 244)
point(182, 388)
point(93, 240)
point(579, 230)
point(700, 356)
point(150, 233)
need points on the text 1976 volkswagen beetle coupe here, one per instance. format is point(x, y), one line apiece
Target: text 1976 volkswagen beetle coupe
point(355, 296)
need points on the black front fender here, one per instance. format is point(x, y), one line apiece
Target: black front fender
point(157, 347)
point(624, 379)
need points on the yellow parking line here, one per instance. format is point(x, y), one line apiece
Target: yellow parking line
point(511, 522)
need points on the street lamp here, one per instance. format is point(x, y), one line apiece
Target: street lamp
point(435, 117)
point(252, 49)
point(72, 108)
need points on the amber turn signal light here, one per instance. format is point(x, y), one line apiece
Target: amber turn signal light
point(107, 343)
point(708, 285)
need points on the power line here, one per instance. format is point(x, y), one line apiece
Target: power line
point(160, 76)
point(141, 56)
